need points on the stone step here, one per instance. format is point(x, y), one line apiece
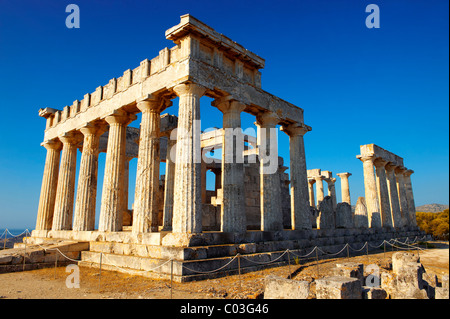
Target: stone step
point(43, 253)
point(227, 250)
point(182, 270)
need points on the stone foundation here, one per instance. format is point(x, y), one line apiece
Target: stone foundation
point(196, 256)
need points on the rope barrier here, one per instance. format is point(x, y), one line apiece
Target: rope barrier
point(299, 256)
point(358, 249)
point(212, 271)
point(334, 253)
point(266, 263)
point(316, 248)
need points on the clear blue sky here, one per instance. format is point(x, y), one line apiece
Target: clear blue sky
point(387, 86)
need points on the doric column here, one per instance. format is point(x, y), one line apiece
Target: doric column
point(383, 193)
point(111, 214)
point(300, 213)
point(370, 188)
point(169, 185)
point(332, 190)
point(49, 185)
point(311, 183)
point(187, 204)
point(271, 213)
point(399, 171)
point(84, 216)
point(319, 188)
point(345, 189)
point(410, 197)
point(62, 218)
point(145, 213)
point(393, 195)
point(233, 218)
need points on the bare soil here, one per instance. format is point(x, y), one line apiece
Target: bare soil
point(51, 282)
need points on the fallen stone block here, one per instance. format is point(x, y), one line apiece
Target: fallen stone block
point(338, 288)
point(445, 281)
point(350, 270)
point(410, 276)
point(280, 288)
point(388, 283)
point(373, 293)
point(400, 259)
point(441, 293)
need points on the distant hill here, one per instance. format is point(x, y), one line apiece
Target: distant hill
point(431, 208)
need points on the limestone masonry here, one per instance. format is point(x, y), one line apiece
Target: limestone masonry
point(255, 209)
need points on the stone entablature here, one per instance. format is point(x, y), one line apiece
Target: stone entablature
point(194, 59)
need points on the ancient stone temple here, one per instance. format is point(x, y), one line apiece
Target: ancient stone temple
point(256, 208)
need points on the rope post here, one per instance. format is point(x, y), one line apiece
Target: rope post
point(317, 262)
point(239, 267)
point(6, 236)
point(289, 264)
point(367, 250)
point(171, 279)
point(384, 253)
point(56, 265)
point(24, 253)
point(348, 253)
point(100, 273)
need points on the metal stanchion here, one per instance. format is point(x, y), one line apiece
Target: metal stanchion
point(100, 273)
point(24, 254)
point(289, 264)
point(348, 253)
point(239, 267)
point(6, 237)
point(171, 279)
point(317, 262)
point(56, 264)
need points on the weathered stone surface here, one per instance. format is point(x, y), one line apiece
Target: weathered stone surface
point(445, 281)
point(350, 270)
point(360, 219)
point(373, 293)
point(441, 293)
point(344, 216)
point(400, 259)
point(338, 288)
point(326, 218)
point(280, 288)
point(314, 216)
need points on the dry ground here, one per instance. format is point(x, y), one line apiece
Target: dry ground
point(50, 283)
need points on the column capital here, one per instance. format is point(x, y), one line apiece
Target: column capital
point(296, 129)
point(379, 162)
point(267, 119)
point(408, 172)
point(344, 175)
point(330, 181)
point(120, 117)
point(93, 129)
point(189, 88)
point(228, 104)
point(319, 178)
point(400, 170)
point(370, 158)
point(54, 144)
point(311, 181)
point(390, 167)
point(151, 102)
point(70, 138)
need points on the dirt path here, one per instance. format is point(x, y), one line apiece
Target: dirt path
point(51, 283)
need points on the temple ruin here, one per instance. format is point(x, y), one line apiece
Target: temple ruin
point(254, 209)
